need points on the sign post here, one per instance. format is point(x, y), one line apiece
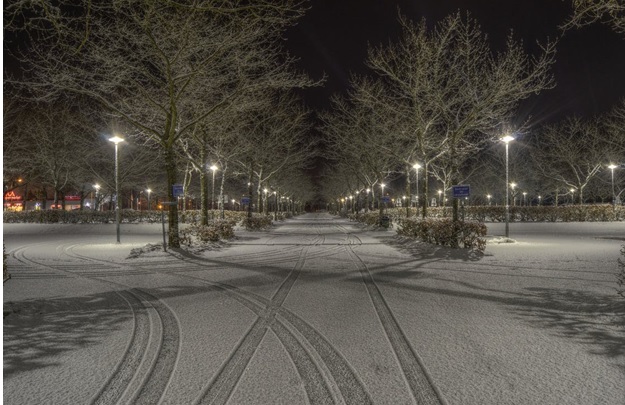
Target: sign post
point(163, 222)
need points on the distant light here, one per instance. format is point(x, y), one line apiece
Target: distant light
point(213, 168)
point(116, 139)
point(612, 166)
point(417, 166)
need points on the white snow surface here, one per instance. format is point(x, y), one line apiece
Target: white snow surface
point(316, 310)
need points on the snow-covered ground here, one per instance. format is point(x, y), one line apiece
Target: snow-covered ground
point(315, 311)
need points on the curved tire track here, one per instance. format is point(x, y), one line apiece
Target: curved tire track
point(155, 382)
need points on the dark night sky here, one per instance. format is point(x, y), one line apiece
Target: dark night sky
point(334, 35)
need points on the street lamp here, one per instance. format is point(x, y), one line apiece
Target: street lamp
point(214, 169)
point(489, 197)
point(118, 215)
point(97, 189)
point(539, 198)
point(417, 166)
point(524, 195)
point(440, 193)
point(612, 167)
point(572, 196)
point(148, 191)
point(507, 139)
point(382, 185)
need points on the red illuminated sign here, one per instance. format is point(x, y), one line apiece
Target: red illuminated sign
point(10, 196)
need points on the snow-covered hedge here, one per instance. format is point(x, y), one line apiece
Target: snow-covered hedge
point(105, 217)
point(445, 232)
point(568, 213)
point(371, 218)
point(216, 230)
point(257, 222)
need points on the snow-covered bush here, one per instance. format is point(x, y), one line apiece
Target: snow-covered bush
point(200, 234)
point(371, 218)
point(445, 232)
point(257, 222)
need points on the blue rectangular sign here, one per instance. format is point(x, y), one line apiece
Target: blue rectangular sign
point(245, 200)
point(461, 191)
point(386, 199)
point(178, 190)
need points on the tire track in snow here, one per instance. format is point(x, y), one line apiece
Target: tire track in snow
point(350, 388)
point(419, 380)
point(223, 384)
point(155, 383)
point(121, 378)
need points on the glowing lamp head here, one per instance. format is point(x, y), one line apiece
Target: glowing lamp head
point(116, 139)
point(507, 139)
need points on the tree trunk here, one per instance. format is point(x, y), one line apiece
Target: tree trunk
point(170, 169)
point(221, 191)
point(203, 198)
point(408, 195)
point(250, 190)
point(425, 190)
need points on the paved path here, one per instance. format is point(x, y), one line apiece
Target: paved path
point(314, 312)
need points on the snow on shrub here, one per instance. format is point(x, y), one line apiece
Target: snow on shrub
point(445, 232)
point(257, 222)
point(215, 231)
point(371, 218)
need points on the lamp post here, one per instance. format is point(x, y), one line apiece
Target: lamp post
point(214, 169)
point(489, 197)
point(118, 214)
point(417, 166)
point(612, 167)
point(367, 205)
point(440, 193)
point(572, 196)
point(512, 187)
point(97, 189)
point(539, 199)
point(524, 198)
point(148, 191)
point(265, 201)
point(506, 139)
point(382, 185)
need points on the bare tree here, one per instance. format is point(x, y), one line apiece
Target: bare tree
point(571, 152)
point(357, 140)
point(149, 62)
point(609, 12)
point(456, 92)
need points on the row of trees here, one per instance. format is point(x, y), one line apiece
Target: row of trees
point(189, 84)
point(443, 98)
